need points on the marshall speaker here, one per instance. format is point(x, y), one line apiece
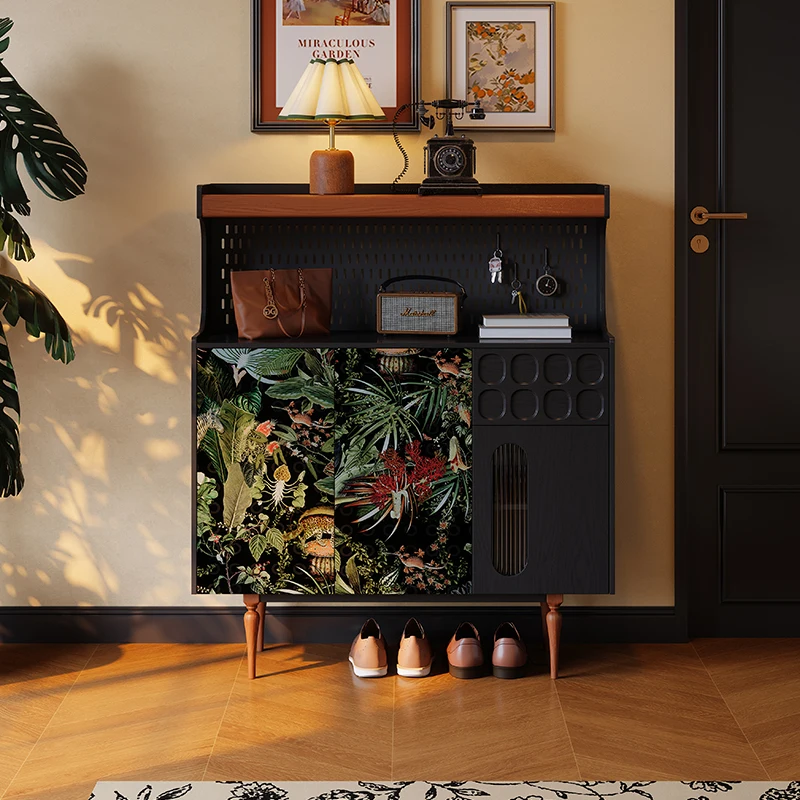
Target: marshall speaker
point(419, 312)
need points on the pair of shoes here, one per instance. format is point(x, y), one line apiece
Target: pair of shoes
point(465, 653)
point(368, 652)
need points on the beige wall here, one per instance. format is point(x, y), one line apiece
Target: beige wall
point(156, 94)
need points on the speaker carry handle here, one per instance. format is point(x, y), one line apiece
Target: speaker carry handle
point(399, 278)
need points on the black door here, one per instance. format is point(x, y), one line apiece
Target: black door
point(738, 290)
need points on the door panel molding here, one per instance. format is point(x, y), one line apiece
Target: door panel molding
point(755, 547)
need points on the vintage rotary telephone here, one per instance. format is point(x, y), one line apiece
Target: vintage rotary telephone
point(449, 159)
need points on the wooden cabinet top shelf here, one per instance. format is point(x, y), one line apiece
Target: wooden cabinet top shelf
point(558, 201)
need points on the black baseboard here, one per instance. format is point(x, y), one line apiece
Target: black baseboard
point(308, 624)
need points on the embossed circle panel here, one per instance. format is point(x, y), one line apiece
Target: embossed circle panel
point(492, 369)
point(557, 369)
point(524, 369)
point(589, 404)
point(492, 404)
point(557, 404)
point(524, 404)
point(590, 369)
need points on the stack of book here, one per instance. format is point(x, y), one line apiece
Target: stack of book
point(526, 326)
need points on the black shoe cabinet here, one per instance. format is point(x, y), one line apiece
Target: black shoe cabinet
point(538, 521)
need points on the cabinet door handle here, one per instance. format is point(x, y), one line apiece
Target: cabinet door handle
point(700, 215)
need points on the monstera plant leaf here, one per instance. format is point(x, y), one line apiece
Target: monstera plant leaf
point(18, 301)
point(52, 161)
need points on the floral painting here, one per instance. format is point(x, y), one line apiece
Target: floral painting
point(325, 471)
point(314, 13)
point(501, 65)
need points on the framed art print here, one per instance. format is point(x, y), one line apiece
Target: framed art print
point(381, 36)
point(503, 54)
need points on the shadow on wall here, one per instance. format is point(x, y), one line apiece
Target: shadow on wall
point(105, 511)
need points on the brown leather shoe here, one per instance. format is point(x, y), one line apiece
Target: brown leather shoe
point(414, 658)
point(464, 653)
point(509, 656)
point(368, 652)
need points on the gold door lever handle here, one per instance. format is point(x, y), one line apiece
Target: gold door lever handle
point(700, 215)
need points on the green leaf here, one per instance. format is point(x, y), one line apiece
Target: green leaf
point(319, 395)
point(52, 161)
point(258, 544)
point(261, 362)
point(290, 389)
point(238, 425)
point(295, 388)
point(341, 586)
point(351, 570)
point(11, 478)
point(249, 401)
point(236, 498)
point(313, 363)
point(212, 447)
point(20, 301)
point(275, 539)
point(206, 495)
point(13, 238)
point(326, 485)
point(215, 380)
point(5, 26)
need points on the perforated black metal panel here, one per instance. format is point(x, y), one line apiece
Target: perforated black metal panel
point(364, 253)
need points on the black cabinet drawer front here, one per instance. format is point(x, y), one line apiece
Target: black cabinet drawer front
point(541, 386)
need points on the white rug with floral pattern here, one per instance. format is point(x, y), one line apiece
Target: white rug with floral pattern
point(448, 790)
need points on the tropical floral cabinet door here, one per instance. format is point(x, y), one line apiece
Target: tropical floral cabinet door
point(403, 480)
point(324, 471)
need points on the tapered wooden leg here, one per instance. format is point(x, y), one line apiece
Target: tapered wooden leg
point(251, 602)
point(261, 609)
point(554, 602)
point(544, 608)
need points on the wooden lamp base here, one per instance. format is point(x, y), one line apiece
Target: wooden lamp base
point(332, 172)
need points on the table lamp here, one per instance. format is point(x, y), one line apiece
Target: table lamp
point(332, 91)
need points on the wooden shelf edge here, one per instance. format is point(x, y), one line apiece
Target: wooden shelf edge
point(550, 206)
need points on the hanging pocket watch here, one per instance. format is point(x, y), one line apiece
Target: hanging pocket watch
point(546, 284)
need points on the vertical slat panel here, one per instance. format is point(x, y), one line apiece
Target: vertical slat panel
point(510, 511)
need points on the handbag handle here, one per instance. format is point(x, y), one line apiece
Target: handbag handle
point(390, 281)
point(272, 309)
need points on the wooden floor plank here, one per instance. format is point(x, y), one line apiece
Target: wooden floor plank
point(153, 710)
point(306, 717)
point(481, 729)
point(34, 679)
point(650, 712)
point(760, 681)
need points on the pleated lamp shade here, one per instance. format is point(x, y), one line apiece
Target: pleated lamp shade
point(333, 90)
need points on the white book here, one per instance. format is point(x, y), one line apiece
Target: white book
point(526, 320)
point(524, 333)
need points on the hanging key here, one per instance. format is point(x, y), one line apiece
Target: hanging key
point(496, 266)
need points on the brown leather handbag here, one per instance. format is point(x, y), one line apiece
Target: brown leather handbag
point(282, 303)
